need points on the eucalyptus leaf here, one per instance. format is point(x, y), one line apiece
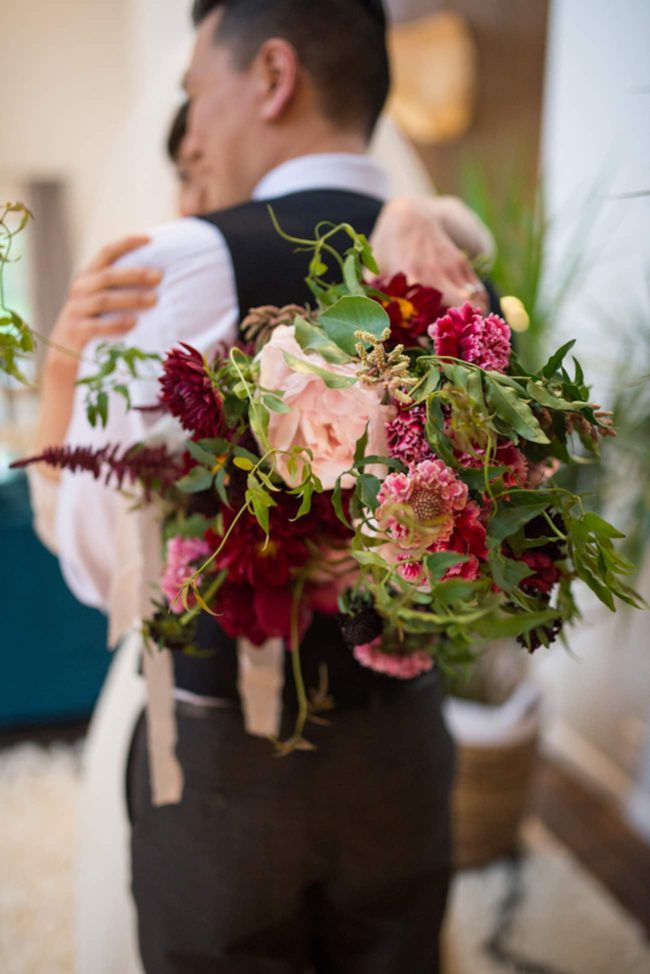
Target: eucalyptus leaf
point(514, 410)
point(516, 512)
point(310, 338)
point(556, 359)
point(201, 455)
point(333, 380)
point(196, 480)
point(439, 562)
point(502, 626)
point(352, 314)
point(370, 487)
point(600, 526)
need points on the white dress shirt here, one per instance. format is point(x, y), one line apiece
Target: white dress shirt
point(197, 304)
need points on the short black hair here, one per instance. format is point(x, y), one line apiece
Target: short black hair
point(341, 43)
point(177, 133)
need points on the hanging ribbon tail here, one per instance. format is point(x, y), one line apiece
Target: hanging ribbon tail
point(166, 773)
point(261, 682)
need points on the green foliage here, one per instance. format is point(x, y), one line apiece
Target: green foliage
point(350, 315)
point(516, 213)
point(117, 366)
point(17, 340)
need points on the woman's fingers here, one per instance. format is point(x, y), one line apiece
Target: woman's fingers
point(111, 252)
point(89, 328)
point(106, 301)
point(114, 277)
point(410, 236)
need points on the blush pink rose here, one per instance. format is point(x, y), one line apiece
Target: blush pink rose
point(327, 421)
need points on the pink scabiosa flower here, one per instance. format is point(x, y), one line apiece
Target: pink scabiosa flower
point(405, 435)
point(403, 667)
point(189, 394)
point(465, 334)
point(182, 554)
point(417, 509)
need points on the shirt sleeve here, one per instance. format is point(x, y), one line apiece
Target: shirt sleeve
point(197, 304)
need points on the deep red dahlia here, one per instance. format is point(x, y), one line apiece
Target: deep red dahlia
point(188, 393)
point(247, 558)
point(410, 307)
point(258, 613)
point(546, 572)
point(465, 334)
point(468, 538)
point(322, 519)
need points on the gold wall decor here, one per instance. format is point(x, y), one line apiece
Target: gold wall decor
point(434, 63)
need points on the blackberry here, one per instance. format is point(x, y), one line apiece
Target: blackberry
point(361, 626)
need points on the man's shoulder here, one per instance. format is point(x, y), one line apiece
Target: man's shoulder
point(254, 224)
point(291, 200)
point(176, 242)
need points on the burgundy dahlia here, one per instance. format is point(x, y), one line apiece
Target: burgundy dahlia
point(410, 307)
point(189, 394)
point(258, 613)
point(469, 539)
point(545, 572)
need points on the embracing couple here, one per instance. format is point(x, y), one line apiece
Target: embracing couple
point(338, 860)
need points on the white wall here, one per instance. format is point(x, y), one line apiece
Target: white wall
point(596, 145)
point(87, 92)
point(65, 87)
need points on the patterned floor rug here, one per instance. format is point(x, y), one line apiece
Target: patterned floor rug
point(540, 914)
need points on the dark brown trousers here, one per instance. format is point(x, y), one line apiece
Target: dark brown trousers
point(336, 859)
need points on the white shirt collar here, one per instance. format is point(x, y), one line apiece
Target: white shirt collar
point(329, 170)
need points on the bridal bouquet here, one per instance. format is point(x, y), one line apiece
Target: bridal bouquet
point(377, 456)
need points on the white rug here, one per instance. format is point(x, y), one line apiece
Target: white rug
point(545, 916)
point(38, 808)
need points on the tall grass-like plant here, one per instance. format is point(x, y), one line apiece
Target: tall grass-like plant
point(517, 216)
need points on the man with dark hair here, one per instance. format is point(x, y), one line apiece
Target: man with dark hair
point(341, 44)
point(340, 857)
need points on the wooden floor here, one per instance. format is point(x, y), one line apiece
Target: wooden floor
point(589, 824)
point(584, 820)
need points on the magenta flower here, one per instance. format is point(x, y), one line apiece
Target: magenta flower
point(418, 509)
point(189, 394)
point(403, 667)
point(463, 333)
point(182, 553)
point(405, 435)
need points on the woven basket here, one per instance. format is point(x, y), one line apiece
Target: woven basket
point(489, 798)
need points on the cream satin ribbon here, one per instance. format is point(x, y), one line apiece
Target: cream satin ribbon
point(261, 676)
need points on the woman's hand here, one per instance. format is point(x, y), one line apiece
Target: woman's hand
point(103, 302)
point(422, 238)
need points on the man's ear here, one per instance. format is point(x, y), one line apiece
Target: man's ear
point(278, 69)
